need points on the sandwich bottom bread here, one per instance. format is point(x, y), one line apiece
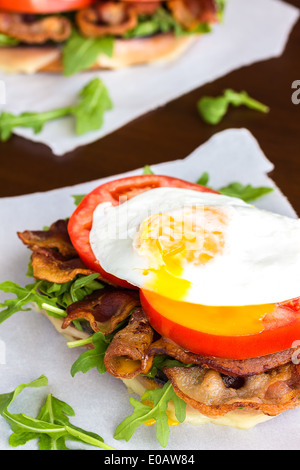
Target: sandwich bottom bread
point(235, 366)
point(127, 53)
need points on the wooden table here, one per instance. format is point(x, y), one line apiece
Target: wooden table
point(173, 132)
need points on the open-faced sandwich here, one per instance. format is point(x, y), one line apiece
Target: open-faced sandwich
point(72, 35)
point(191, 297)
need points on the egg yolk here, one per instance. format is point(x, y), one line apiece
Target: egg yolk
point(221, 321)
point(172, 241)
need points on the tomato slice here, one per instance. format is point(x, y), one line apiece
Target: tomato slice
point(279, 329)
point(43, 6)
point(115, 192)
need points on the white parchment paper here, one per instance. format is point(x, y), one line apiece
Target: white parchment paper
point(30, 346)
point(252, 31)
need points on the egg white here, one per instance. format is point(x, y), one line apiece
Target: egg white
point(259, 265)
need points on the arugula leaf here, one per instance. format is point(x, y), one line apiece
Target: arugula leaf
point(35, 121)
point(24, 296)
point(157, 409)
point(78, 289)
point(52, 297)
point(247, 193)
point(80, 53)
point(78, 198)
point(213, 109)
point(93, 357)
point(161, 361)
point(204, 179)
point(7, 40)
point(89, 112)
point(52, 426)
point(242, 98)
point(162, 21)
point(147, 170)
point(94, 102)
point(221, 5)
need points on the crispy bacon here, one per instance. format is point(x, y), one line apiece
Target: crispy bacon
point(190, 13)
point(37, 31)
point(56, 237)
point(104, 309)
point(231, 367)
point(107, 18)
point(270, 393)
point(126, 355)
point(48, 265)
point(145, 7)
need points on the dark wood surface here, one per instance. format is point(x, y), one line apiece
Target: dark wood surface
point(174, 131)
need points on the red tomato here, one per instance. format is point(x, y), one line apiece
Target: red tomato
point(116, 192)
point(280, 329)
point(43, 6)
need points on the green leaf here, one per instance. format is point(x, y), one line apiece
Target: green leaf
point(77, 290)
point(213, 109)
point(157, 410)
point(7, 41)
point(239, 99)
point(35, 121)
point(94, 102)
point(221, 4)
point(24, 296)
point(7, 398)
point(93, 357)
point(162, 21)
point(52, 297)
point(52, 426)
point(147, 170)
point(80, 53)
point(204, 179)
point(247, 193)
point(161, 361)
point(56, 411)
point(78, 198)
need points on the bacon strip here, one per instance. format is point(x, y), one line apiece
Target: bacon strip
point(107, 18)
point(145, 7)
point(126, 355)
point(56, 237)
point(190, 13)
point(232, 367)
point(51, 266)
point(38, 31)
point(104, 309)
point(271, 393)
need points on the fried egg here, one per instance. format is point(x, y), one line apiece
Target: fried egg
point(201, 248)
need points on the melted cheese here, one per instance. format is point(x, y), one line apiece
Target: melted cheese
point(241, 419)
